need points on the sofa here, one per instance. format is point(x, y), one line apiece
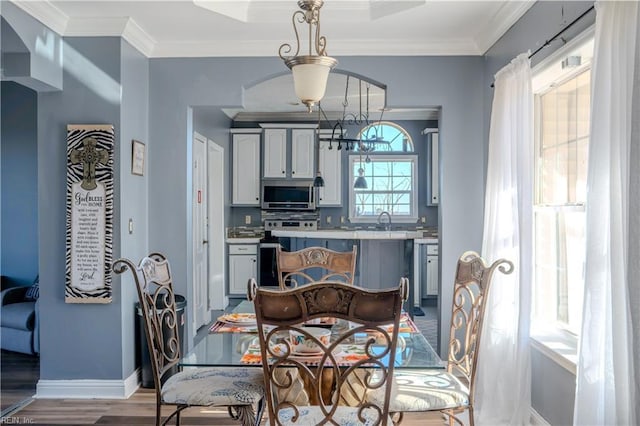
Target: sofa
point(19, 323)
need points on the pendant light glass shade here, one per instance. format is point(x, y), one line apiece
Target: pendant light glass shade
point(310, 74)
point(361, 182)
point(318, 182)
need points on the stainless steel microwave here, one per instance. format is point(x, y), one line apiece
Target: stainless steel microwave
point(288, 195)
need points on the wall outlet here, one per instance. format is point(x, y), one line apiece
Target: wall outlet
point(247, 219)
point(328, 219)
point(341, 219)
point(423, 219)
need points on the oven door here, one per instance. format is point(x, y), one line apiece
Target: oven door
point(267, 266)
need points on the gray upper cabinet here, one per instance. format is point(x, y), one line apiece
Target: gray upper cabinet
point(289, 152)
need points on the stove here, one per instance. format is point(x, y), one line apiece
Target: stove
point(290, 220)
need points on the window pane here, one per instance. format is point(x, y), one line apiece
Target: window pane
point(390, 186)
point(559, 221)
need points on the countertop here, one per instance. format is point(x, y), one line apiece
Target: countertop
point(419, 236)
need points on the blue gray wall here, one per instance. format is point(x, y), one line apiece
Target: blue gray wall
point(19, 177)
point(78, 341)
point(553, 387)
point(134, 190)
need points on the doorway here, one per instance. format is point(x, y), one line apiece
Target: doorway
point(208, 229)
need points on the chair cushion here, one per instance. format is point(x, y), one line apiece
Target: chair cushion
point(214, 386)
point(18, 315)
point(424, 390)
point(312, 415)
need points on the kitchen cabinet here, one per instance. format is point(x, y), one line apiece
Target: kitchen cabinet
point(430, 280)
point(331, 169)
point(275, 153)
point(296, 144)
point(243, 265)
point(245, 180)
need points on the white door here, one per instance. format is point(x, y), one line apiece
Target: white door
point(199, 230)
point(216, 183)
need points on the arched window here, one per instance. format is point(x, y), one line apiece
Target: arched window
point(383, 175)
point(385, 136)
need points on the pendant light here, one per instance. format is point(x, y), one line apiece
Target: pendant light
point(361, 182)
point(310, 72)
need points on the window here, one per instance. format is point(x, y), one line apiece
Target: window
point(562, 116)
point(389, 172)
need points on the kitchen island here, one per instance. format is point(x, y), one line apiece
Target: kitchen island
point(383, 255)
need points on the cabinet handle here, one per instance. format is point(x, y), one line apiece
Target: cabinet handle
point(283, 172)
point(293, 172)
point(205, 242)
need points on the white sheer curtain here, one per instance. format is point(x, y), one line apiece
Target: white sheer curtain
point(605, 391)
point(504, 372)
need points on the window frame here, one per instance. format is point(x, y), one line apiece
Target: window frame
point(554, 338)
point(354, 159)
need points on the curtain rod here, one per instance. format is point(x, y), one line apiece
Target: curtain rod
point(559, 33)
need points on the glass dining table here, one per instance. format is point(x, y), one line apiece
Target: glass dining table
point(226, 349)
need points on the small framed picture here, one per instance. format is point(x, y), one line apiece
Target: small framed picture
point(137, 158)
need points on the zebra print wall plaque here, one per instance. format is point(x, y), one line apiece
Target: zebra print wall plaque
point(89, 213)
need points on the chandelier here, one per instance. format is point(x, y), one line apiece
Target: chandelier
point(310, 72)
point(357, 111)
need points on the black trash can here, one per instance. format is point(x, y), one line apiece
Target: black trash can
point(145, 360)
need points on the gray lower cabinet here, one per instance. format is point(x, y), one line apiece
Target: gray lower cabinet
point(243, 265)
point(382, 263)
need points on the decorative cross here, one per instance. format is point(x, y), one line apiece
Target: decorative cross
point(89, 157)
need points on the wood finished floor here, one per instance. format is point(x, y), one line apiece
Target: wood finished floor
point(139, 410)
point(18, 376)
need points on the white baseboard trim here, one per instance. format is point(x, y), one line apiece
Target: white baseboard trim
point(537, 420)
point(88, 389)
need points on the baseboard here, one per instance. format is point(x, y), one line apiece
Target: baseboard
point(537, 420)
point(88, 389)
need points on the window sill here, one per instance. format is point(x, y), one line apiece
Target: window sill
point(559, 346)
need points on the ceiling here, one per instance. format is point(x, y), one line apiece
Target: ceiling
point(206, 28)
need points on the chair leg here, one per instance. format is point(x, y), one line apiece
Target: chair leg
point(260, 411)
point(470, 410)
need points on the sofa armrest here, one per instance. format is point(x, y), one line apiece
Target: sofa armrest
point(13, 295)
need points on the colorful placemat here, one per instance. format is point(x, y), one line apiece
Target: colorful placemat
point(222, 327)
point(344, 356)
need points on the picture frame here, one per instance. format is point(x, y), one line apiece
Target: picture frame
point(137, 157)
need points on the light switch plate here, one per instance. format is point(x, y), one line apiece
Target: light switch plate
point(247, 219)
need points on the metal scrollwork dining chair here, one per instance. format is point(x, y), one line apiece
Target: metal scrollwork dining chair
point(238, 389)
point(452, 391)
point(301, 266)
point(281, 315)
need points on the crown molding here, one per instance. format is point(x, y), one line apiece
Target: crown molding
point(139, 38)
point(504, 19)
point(46, 13)
point(381, 47)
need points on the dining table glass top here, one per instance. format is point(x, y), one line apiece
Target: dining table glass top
point(226, 349)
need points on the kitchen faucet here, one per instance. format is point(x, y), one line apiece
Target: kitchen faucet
point(387, 226)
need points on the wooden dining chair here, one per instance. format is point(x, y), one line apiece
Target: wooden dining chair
point(315, 264)
point(451, 391)
point(280, 313)
point(238, 389)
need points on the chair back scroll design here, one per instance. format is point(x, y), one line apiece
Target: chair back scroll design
point(470, 292)
point(158, 305)
point(369, 311)
point(296, 267)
